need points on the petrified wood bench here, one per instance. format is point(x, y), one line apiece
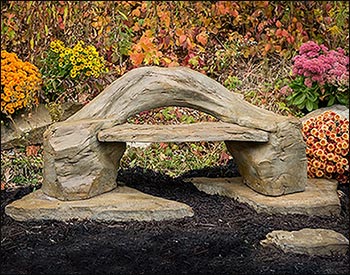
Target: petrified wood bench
point(82, 154)
point(204, 131)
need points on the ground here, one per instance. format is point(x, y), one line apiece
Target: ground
point(221, 238)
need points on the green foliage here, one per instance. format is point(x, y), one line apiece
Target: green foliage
point(303, 96)
point(232, 83)
point(308, 98)
point(22, 166)
point(175, 159)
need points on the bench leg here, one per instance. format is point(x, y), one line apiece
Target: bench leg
point(76, 165)
point(275, 168)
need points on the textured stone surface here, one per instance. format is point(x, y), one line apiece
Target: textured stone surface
point(76, 165)
point(270, 168)
point(121, 204)
point(29, 128)
point(204, 131)
point(71, 170)
point(308, 241)
point(319, 198)
point(26, 129)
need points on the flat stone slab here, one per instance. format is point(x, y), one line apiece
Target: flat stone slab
point(308, 241)
point(319, 198)
point(203, 131)
point(121, 204)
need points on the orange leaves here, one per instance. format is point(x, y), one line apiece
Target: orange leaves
point(32, 150)
point(182, 39)
point(136, 12)
point(145, 50)
point(177, 27)
point(137, 58)
point(267, 47)
point(202, 38)
point(146, 41)
point(164, 18)
point(281, 33)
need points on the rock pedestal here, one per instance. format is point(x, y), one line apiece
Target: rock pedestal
point(76, 165)
point(120, 204)
point(304, 203)
point(274, 168)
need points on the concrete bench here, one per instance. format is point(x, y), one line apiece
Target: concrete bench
point(82, 154)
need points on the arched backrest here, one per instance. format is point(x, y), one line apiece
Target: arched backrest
point(147, 88)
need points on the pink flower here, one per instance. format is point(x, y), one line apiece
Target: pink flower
point(321, 65)
point(310, 46)
point(286, 90)
point(308, 82)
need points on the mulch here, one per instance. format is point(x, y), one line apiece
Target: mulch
point(221, 238)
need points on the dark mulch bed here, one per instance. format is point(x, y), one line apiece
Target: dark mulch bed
point(222, 238)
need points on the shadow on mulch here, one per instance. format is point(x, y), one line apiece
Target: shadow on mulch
point(222, 237)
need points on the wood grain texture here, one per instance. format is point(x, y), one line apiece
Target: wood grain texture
point(147, 88)
point(205, 131)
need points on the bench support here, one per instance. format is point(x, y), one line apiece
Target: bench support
point(77, 166)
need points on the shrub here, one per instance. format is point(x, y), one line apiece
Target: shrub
point(327, 140)
point(64, 64)
point(20, 83)
point(321, 77)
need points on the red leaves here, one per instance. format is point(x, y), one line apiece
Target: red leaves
point(32, 150)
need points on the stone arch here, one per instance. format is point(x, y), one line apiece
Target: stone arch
point(78, 166)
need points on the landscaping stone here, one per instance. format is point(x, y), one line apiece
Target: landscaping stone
point(319, 198)
point(77, 166)
point(121, 204)
point(71, 170)
point(308, 241)
point(28, 128)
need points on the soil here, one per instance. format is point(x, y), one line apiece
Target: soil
point(221, 238)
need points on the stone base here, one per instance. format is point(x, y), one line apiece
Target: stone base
point(319, 198)
point(120, 204)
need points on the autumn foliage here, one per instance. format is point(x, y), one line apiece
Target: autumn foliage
point(207, 36)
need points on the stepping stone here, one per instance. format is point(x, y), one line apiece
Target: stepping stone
point(308, 241)
point(319, 198)
point(121, 204)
